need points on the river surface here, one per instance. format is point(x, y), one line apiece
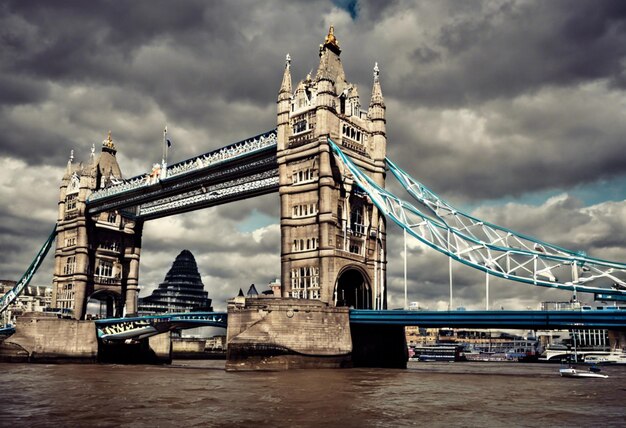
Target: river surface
point(201, 393)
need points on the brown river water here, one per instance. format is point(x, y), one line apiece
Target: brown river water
point(202, 394)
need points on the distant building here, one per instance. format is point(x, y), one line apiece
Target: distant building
point(595, 339)
point(34, 298)
point(181, 291)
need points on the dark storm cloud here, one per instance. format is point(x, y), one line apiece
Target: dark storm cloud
point(489, 50)
point(204, 65)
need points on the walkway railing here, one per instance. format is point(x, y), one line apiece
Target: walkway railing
point(215, 157)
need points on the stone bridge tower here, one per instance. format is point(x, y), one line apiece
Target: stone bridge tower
point(96, 257)
point(333, 237)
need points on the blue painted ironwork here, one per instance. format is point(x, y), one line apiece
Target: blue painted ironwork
point(484, 246)
point(14, 293)
point(135, 328)
point(7, 330)
point(527, 320)
point(220, 158)
point(609, 297)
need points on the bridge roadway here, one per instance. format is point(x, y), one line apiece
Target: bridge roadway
point(527, 320)
point(142, 327)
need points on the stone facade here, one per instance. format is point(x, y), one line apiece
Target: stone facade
point(96, 257)
point(333, 237)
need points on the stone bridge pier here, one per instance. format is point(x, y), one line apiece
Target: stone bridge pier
point(266, 333)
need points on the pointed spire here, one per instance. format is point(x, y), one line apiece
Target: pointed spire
point(285, 87)
point(69, 161)
point(252, 291)
point(377, 93)
point(92, 156)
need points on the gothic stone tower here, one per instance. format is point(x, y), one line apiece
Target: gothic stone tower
point(333, 237)
point(97, 256)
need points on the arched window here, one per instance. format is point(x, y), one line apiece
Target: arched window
point(356, 220)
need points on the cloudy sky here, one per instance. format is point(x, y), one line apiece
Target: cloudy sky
point(512, 110)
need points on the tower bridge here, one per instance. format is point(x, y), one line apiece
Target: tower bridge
point(327, 161)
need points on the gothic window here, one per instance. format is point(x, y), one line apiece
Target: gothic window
point(105, 268)
point(304, 210)
point(352, 133)
point(299, 126)
point(356, 220)
point(70, 241)
point(112, 217)
point(70, 202)
point(65, 296)
point(109, 245)
point(305, 282)
point(305, 245)
point(70, 265)
point(303, 176)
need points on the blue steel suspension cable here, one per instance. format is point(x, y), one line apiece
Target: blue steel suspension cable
point(14, 293)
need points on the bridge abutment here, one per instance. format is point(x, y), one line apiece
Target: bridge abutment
point(44, 338)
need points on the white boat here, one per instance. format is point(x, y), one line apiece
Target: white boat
point(572, 372)
point(616, 356)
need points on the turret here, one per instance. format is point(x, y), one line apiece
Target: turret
point(376, 113)
point(284, 104)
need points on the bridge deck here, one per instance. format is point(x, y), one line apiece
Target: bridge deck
point(528, 320)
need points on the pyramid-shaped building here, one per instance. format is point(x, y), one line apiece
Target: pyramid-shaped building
point(182, 290)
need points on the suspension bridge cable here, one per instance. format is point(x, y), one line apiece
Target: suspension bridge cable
point(14, 293)
point(493, 249)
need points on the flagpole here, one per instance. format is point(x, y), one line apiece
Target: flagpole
point(164, 158)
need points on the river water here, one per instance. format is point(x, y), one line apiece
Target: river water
point(201, 393)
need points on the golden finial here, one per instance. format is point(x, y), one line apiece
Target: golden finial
point(331, 42)
point(108, 143)
point(330, 38)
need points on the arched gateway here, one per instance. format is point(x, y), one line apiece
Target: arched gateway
point(353, 290)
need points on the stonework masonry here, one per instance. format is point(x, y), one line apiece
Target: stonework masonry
point(269, 333)
point(96, 257)
point(332, 237)
point(45, 338)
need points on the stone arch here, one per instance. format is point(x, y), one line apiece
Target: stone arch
point(352, 288)
point(103, 304)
